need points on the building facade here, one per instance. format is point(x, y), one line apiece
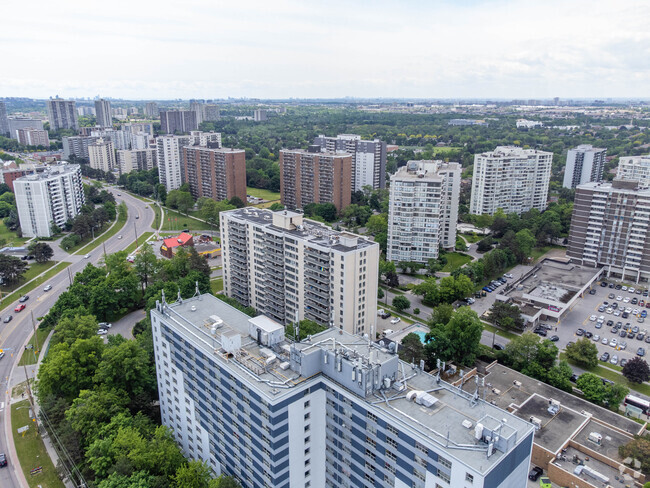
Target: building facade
point(584, 163)
point(368, 158)
point(62, 114)
point(4, 120)
point(211, 112)
point(423, 210)
point(33, 137)
point(315, 177)
point(101, 155)
point(151, 110)
point(332, 411)
point(104, 114)
point(136, 159)
point(288, 267)
point(77, 146)
point(216, 173)
point(17, 123)
point(260, 115)
point(609, 227)
point(52, 196)
point(510, 178)
point(181, 121)
point(198, 108)
point(635, 168)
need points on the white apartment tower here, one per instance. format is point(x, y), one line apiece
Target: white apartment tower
point(102, 155)
point(635, 168)
point(103, 112)
point(62, 114)
point(289, 268)
point(423, 210)
point(584, 163)
point(510, 178)
point(136, 159)
point(55, 195)
point(368, 158)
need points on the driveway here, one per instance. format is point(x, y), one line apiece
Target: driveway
point(124, 326)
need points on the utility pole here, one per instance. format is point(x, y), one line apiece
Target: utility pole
point(31, 398)
point(104, 246)
point(70, 276)
point(35, 335)
point(135, 230)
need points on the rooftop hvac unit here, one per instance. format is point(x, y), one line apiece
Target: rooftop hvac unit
point(596, 437)
point(478, 431)
point(517, 383)
point(536, 422)
point(387, 382)
point(284, 366)
point(467, 423)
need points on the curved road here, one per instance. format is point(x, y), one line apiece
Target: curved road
point(14, 335)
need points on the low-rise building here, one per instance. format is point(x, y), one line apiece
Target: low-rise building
point(170, 245)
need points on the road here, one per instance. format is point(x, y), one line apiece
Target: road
point(13, 335)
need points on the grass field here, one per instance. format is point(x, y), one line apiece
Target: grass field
point(30, 356)
point(177, 221)
point(31, 450)
point(455, 260)
point(37, 282)
point(141, 240)
point(105, 236)
point(264, 194)
point(472, 238)
point(503, 333)
point(10, 236)
point(34, 270)
point(157, 215)
point(538, 252)
point(445, 150)
point(216, 285)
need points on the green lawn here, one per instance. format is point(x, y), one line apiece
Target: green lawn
point(31, 450)
point(37, 282)
point(445, 150)
point(141, 239)
point(176, 221)
point(30, 356)
point(264, 194)
point(157, 215)
point(216, 285)
point(503, 333)
point(144, 199)
point(538, 252)
point(472, 238)
point(455, 260)
point(10, 237)
point(610, 374)
point(104, 237)
point(32, 272)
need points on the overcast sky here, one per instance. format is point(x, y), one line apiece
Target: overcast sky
point(332, 48)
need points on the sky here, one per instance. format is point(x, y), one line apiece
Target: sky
point(326, 49)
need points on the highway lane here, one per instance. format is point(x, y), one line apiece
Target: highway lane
point(14, 335)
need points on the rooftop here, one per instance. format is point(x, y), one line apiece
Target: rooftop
point(51, 171)
point(425, 169)
point(295, 225)
point(460, 422)
point(620, 186)
point(180, 240)
point(513, 152)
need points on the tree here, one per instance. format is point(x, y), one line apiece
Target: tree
point(525, 241)
point(458, 340)
point(614, 395)
point(145, 264)
point(592, 388)
point(441, 315)
point(584, 352)
point(194, 474)
point(185, 202)
point(560, 376)
point(639, 449)
point(637, 370)
point(236, 202)
point(211, 210)
point(411, 349)
point(485, 245)
point(11, 268)
point(392, 280)
point(69, 329)
point(380, 293)
point(377, 224)
point(531, 355)
point(429, 291)
point(502, 310)
point(42, 252)
point(94, 408)
point(401, 303)
point(276, 206)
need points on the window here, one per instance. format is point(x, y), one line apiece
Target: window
point(469, 477)
point(444, 462)
point(307, 404)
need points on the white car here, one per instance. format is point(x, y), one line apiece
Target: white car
point(626, 300)
point(593, 318)
point(388, 331)
point(622, 346)
point(102, 332)
point(614, 359)
point(624, 288)
point(601, 318)
point(619, 298)
point(613, 342)
point(87, 256)
point(617, 313)
point(635, 311)
point(47, 288)
point(381, 311)
point(610, 310)
point(628, 310)
point(605, 341)
point(120, 236)
point(596, 337)
point(631, 289)
point(395, 320)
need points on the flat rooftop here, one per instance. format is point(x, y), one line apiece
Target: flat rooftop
point(442, 422)
point(532, 398)
point(314, 232)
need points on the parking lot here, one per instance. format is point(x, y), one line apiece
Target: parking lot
point(587, 308)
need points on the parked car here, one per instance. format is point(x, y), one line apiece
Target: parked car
point(593, 318)
point(603, 284)
point(614, 359)
point(604, 341)
point(600, 309)
point(623, 363)
point(596, 337)
point(613, 342)
point(640, 352)
point(104, 325)
point(535, 473)
point(102, 332)
point(541, 332)
point(605, 357)
point(580, 332)
point(554, 338)
point(498, 347)
point(3, 460)
point(395, 320)
point(574, 378)
point(592, 291)
point(588, 334)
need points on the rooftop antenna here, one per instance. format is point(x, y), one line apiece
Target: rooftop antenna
point(196, 290)
point(179, 298)
point(164, 303)
point(296, 328)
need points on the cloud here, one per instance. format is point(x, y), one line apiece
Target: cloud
point(286, 48)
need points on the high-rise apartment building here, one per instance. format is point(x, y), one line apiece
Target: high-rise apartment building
point(198, 108)
point(101, 155)
point(4, 120)
point(170, 155)
point(53, 196)
point(151, 110)
point(584, 163)
point(510, 178)
point(292, 268)
point(213, 172)
point(423, 210)
point(33, 137)
point(368, 158)
point(334, 410)
point(62, 114)
point(85, 111)
point(181, 121)
point(260, 115)
point(609, 227)
point(77, 146)
point(211, 112)
point(104, 114)
point(315, 177)
point(136, 159)
point(17, 123)
point(121, 139)
point(635, 168)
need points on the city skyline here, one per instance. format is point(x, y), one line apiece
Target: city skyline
point(491, 49)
